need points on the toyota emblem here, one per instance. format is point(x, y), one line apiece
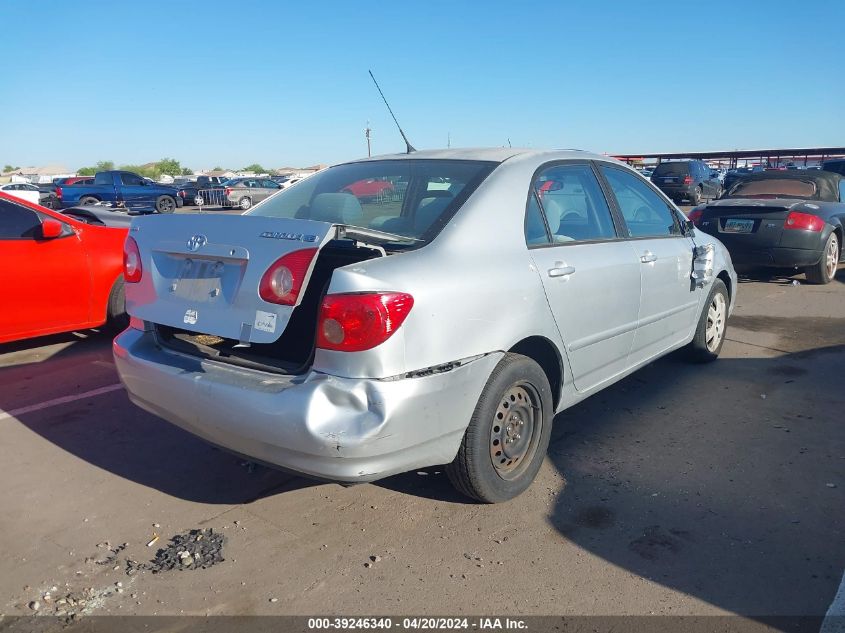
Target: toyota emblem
point(196, 242)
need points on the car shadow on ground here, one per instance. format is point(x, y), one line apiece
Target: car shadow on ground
point(712, 480)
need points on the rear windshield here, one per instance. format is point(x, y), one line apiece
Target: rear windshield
point(774, 188)
point(665, 169)
point(411, 198)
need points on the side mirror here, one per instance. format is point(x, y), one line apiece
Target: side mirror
point(51, 229)
point(689, 226)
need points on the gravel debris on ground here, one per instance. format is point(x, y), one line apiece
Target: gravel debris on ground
point(195, 549)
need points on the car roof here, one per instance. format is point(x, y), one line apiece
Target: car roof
point(493, 154)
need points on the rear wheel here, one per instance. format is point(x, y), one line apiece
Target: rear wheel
point(695, 197)
point(825, 270)
point(116, 316)
point(165, 204)
point(245, 203)
point(710, 331)
point(507, 437)
point(88, 200)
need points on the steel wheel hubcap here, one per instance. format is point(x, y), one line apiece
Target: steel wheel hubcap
point(515, 429)
point(715, 322)
point(832, 256)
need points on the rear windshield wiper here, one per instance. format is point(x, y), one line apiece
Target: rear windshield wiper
point(346, 230)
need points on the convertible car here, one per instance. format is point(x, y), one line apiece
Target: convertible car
point(58, 273)
point(781, 219)
point(349, 338)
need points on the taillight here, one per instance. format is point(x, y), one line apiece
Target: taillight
point(227, 191)
point(695, 215)
point(59, 193)
point(687, 180)
point(181, 193)
point(356, 322)
point(132, 269)
point(803, 221)
point(282, 282)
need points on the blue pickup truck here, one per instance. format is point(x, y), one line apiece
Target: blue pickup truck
point(122, 189)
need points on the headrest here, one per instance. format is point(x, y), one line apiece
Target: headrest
point(338, 208)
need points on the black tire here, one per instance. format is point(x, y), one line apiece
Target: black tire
point(719, 192)
point(695, 196)
point(165, 204)
point(116, 316)
point(699, 350)
point(825, 270)
point(245, 203)
point(516, 399)
point(88, 200)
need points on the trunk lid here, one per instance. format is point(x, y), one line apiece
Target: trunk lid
point(756, 222)
point(202, 273)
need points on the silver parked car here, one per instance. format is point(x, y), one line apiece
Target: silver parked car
point(245, 192)
point(353, 338)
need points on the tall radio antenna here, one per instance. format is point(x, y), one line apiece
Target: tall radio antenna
point(408, 147)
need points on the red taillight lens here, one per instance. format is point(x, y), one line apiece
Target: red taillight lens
point(59, 193)
point(687, 180)
point(803, 222)
point(282, 282)
point(181, 193)
point(355, 322)
point(695, 215)
point(227, 191)
point(132, 269)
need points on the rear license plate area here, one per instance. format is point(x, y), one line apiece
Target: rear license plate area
point(736, 225)
point(198, 280)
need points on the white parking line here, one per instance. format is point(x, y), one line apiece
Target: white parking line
point(57, 401)
point(834, 619)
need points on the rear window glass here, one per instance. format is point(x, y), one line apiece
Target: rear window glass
point(411, 198)
point(775, 188)
point(666, 169)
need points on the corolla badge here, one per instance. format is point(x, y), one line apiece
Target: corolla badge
point(196, 242)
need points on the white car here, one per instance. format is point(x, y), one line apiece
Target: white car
point(22, 190)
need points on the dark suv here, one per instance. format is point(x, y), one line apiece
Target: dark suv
point(837, 165)
point(687, 179)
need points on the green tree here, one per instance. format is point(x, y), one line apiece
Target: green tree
point(9, 168)
point(255, 168)
point(103, 165)
point(187, 171)
point(169, 166)
point(218, 169)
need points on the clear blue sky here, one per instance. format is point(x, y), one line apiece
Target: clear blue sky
point(285, 83)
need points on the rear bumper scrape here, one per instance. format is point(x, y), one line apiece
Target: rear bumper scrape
point(329, 427)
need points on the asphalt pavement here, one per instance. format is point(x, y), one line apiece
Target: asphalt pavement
point(683, 489)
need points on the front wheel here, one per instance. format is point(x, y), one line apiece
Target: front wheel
point(508, 435)
point(825, 270)
point(710, 331)
point(165, 204)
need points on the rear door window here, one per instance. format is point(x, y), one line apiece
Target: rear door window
point(645, 212)
point(573, 204)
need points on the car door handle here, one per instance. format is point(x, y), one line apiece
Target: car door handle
point(648, 257)
point(564, 271)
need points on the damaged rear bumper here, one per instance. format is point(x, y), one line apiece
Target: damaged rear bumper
point(344, 429)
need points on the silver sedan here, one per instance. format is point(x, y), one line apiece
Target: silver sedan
point(352, 338)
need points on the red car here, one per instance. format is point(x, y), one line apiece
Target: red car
point(369, 188)
point(57, 273)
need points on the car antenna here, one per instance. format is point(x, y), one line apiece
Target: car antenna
point(408, 147)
